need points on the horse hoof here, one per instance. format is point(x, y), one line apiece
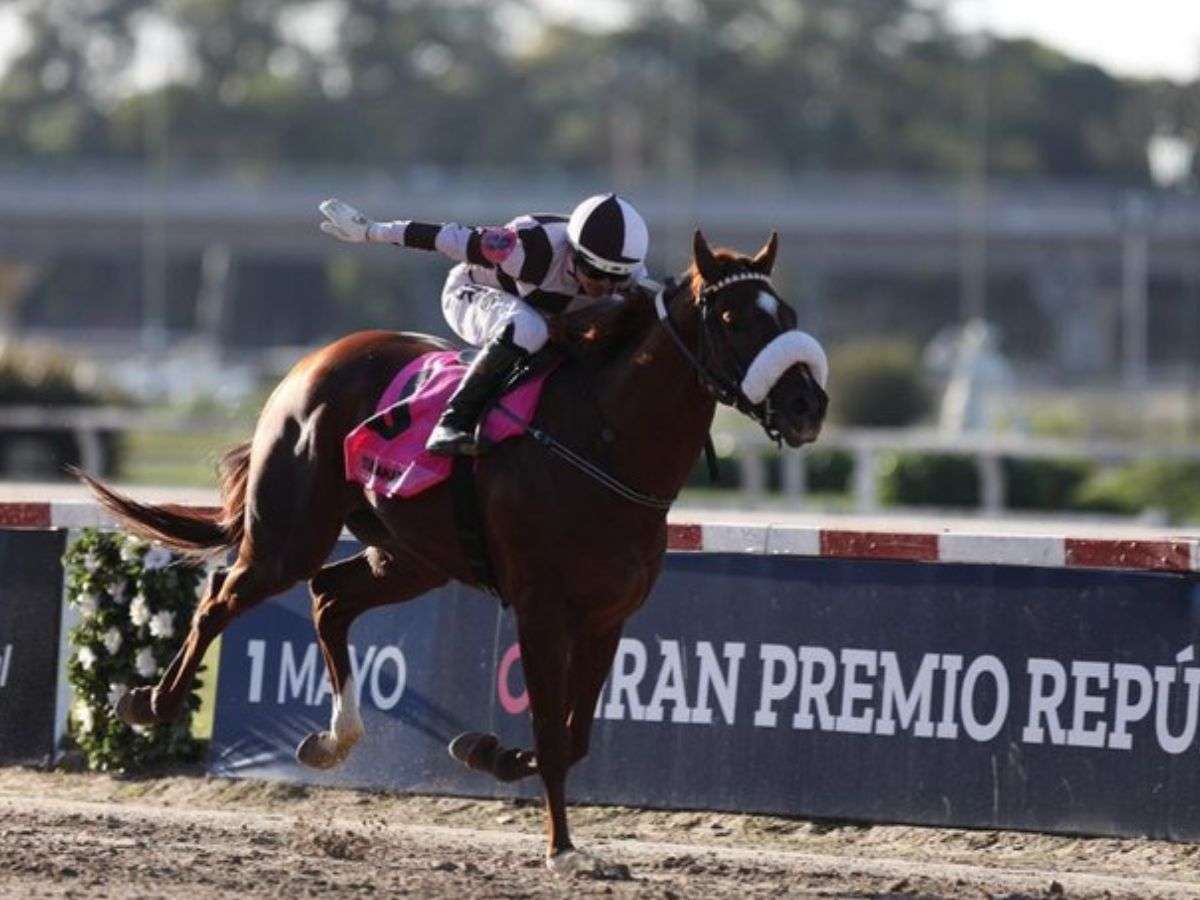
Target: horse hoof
point(135, 708)
point(474, 749)
point(572, 862)
point(313, 752)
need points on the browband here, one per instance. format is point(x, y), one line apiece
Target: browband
point(734, 279)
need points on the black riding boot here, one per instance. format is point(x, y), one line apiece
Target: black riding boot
point(455, 431)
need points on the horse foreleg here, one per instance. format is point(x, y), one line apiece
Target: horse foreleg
point(483, 753)
point(545, 649)
point(341, 592)
point(591, 660)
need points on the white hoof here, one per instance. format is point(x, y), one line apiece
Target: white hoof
point(575, 862)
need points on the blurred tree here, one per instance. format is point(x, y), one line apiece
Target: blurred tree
point(777, 87)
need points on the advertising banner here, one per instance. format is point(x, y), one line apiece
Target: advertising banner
point(31, 585)
point(973, 695)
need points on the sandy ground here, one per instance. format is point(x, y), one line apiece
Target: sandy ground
point(82, 835)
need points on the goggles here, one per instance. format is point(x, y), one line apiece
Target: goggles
point(583, 267)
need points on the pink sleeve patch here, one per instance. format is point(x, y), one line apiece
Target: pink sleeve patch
point(496, 244)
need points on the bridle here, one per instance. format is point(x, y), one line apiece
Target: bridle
point(716, 381)
point(719, 384)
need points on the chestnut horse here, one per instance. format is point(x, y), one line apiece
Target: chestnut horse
point(575, 543)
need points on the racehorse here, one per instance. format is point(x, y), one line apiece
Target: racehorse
point(576, 539)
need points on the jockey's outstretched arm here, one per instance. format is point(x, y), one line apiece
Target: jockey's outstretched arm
point(487, 246)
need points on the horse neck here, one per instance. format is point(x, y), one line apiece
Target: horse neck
point(653, 402)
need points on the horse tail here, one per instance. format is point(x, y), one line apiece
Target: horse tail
point(199, 533)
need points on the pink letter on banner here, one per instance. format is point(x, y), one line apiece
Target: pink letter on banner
point(512, 705)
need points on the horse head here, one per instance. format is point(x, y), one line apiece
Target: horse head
point(749, 344)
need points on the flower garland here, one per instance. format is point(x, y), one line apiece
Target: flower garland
point(135, 601)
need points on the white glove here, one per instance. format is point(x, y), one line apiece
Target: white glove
point(344, 221)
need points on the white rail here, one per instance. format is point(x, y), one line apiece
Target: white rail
point(866, 446)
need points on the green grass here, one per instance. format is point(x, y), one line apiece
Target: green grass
point(185, 459)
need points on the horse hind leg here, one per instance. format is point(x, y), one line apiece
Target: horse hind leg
point(341, 592)
point(293, 518)
point(229, 594)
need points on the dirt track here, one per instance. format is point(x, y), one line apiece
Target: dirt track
point(92, 836)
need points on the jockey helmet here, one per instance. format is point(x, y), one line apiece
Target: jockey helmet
point(608, 235)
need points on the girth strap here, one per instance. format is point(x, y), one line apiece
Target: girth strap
point(468, 521)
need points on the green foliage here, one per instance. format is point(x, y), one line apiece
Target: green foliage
point(135, 602)
point(877, 383)
point(1170, 487)
point(32, 376)
point(828, 471)
point(42, 377)
point(928, 479)
point(1044, 483)
point(784, 87)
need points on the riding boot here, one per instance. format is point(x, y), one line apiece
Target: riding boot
point(455, 431)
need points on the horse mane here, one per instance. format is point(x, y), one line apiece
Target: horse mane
point(725, 257)
point(602, 330)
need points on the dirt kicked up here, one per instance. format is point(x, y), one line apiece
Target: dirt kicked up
point(79, 835)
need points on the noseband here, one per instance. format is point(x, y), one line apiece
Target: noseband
point(716, 383)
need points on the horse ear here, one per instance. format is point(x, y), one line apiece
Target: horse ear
point(764, 260)
point(706, 263)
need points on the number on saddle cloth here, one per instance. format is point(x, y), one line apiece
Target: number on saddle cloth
point(387, 453)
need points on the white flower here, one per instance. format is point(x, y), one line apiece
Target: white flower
point(131, 551)
point(90, 561)
point(159, 557)
point(116, 691)
point(143, 730)
point(119, 591)
point(163, 624)
point(86, 657)
point(84, 717)
point(139, 611)
point(112, 641)
point(87, 604)
point(145, 663)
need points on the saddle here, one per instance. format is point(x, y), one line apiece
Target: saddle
point(386, 453)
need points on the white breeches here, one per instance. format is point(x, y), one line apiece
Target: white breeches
point(480, 314)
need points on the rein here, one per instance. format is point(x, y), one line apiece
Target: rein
point(720, 388)
point(588, 468)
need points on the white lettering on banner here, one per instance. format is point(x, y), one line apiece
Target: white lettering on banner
point(814, 693)
point(951, 666)
point(1078, 703)
point(984, 665)
point(292, 680)
point(854, 691)
point(776, 658)
point(302, 676)
point(631, 669)
point(724, 685)
point(1043, 705)
point(669, 687)
point(625, 681)
point(1164, 678)
point(907, 704)
point(1129, 711)
point(1086, 703)
point(5, 659)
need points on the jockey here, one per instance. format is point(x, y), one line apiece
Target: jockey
point(507, 280)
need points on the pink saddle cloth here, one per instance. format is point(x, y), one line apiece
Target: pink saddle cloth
point(386, 453)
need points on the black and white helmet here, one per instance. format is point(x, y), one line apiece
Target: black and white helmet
point(608, 234)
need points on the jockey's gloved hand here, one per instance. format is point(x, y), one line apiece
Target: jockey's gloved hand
point(344, 222)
